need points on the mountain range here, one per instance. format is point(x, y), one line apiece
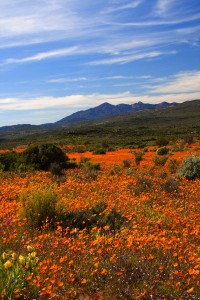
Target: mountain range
point(102, 111)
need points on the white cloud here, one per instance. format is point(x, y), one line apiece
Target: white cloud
point(186, 82)
point(43, 55)
point(159, 22)
point(63, 80)
point(129, 58)
point(163, 6)
point(79, 102)
point(129, 5)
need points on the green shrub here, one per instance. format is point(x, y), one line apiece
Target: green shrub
point(162, 141)
point(2, 167)
point(39, 205)
point(160, 160)
point(172, 165)
point(171, 185)
point(190, 168)
point(42, 156)
point(162, 151)
point(96, 216)
point(189, 139)
point(162, 175)
point(99, 151)
point(143, 185)
point(90, 169)
point(9, 160)
point(56, 169)
point(126, 163)
point(138, 157)
point(175, 148)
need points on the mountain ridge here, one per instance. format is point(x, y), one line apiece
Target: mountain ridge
point(101, 111)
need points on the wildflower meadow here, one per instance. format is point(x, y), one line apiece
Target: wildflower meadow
point(119, 225)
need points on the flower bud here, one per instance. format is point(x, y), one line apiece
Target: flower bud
point(14, 256)
point(22, 260)
point(4, 255)
point(29, 248)
point(8, 264)
point(33, 254)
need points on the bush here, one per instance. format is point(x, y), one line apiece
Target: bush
point(99, 151)
point(162, 141)
point(55, 169)
point(160, 160)
point(142, 186)
point(138, 157)
point(172, 165)
point(189, 139)
point(127, 163)
point(9, 161)
point(162, 151)
point(171, 185)
point(39, 205)
point(190, 168)
point(96, 216)
point(41, 157)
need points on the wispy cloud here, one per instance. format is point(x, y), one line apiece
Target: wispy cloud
point(184, 82)
point(63, 80)
point(163, 6)
point(130, 58)
point(79, 102)
point(128, 5)
point(43, 55)
point(159, 22)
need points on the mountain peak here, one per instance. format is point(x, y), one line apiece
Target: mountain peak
point(106, 110)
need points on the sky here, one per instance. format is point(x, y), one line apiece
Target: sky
point(61, 56)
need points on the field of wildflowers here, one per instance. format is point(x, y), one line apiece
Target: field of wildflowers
point(129, 232)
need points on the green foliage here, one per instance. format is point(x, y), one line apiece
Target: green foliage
point(39, 205)
point(87, 165)
point(9, 160)
point(175, 148)
point(138, 157)
point(56, 169)
point(99, 151)
point(90, 169)
point(162, 141)
point(190, 168)
point(96, 216)
point(188, 139)
point(171, 185)
point(172, 165)
point(127, 163)
point(42, 156)
point(1, 167)
point(16, 274)
point(162, 150)
point(143, 185)
point(35, 158)
point(160, 160)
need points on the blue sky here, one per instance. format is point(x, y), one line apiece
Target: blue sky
point(61, 56)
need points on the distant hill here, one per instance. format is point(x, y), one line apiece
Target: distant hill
point(107, 110)
point(129, 125)
point(102, 111)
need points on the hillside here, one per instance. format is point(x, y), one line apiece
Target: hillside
point(129, 129)
point(107, 110)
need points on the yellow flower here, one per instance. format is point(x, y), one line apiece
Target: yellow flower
point(22, 260)
point(14, 256)
point(4, 255)
point(8, 264)
point(29, 248)
point(33, 254)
